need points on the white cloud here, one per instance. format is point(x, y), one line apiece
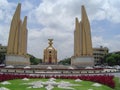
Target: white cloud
point(38, 41)
point(5, 17)
point(117, 36)
point(4, 35)
point(26, 5)
point(5, 11)
point(55, 19)
point(113, 45)
point(98, 41)
point(111, 11)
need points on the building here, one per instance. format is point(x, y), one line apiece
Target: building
point(99, 53)
point(83, 52)
point(50, 54)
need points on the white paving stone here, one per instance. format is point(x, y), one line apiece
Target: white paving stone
point(50, 84)
point(49, 87)
point(90, 89)
point(97, 84)
point(65, 87)
point(37, 84)
point(52, 79)
point(5, 83)
point(78, 80)
point(4, 88)
point(25, 79)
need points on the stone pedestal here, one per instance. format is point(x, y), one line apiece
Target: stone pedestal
point(17, 60)
point(82, 61)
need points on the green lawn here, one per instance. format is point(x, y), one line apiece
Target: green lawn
point(117, 85)
point(84, 85)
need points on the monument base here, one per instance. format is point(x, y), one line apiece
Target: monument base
point(17, 60)
point(82, 61)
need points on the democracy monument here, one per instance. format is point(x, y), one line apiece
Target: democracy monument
point(17, 43)
point(50, 54)
point(49, 75)
point(83, 52)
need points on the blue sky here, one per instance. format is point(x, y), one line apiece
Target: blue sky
point(56, 19)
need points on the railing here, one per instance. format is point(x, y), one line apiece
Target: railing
point(57, 71)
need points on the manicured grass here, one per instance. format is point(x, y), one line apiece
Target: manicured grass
point(117, 83)
point(17, 84)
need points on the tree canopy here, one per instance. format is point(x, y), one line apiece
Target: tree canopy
point(2, 58)
point(66, 61)
point(112, 59)
point(34, 60)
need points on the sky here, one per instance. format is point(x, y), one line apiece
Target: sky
point(56, 19)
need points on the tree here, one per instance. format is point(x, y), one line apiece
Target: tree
point(117, 58)
point(66, 61)
point(112, 59)
point(34, 60)
point(2, 58)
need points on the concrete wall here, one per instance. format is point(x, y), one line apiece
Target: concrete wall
point(82, 61)
point(17, 60)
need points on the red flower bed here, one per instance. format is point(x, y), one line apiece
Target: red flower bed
point(103, 79)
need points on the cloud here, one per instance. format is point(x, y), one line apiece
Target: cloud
point(56, 19)
point(5, 11)
point(112, 44)
point(27, 5)
point(38, 41)
point(112, 11)
point(117, 36)
point(98, 41)
point(4, 35)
